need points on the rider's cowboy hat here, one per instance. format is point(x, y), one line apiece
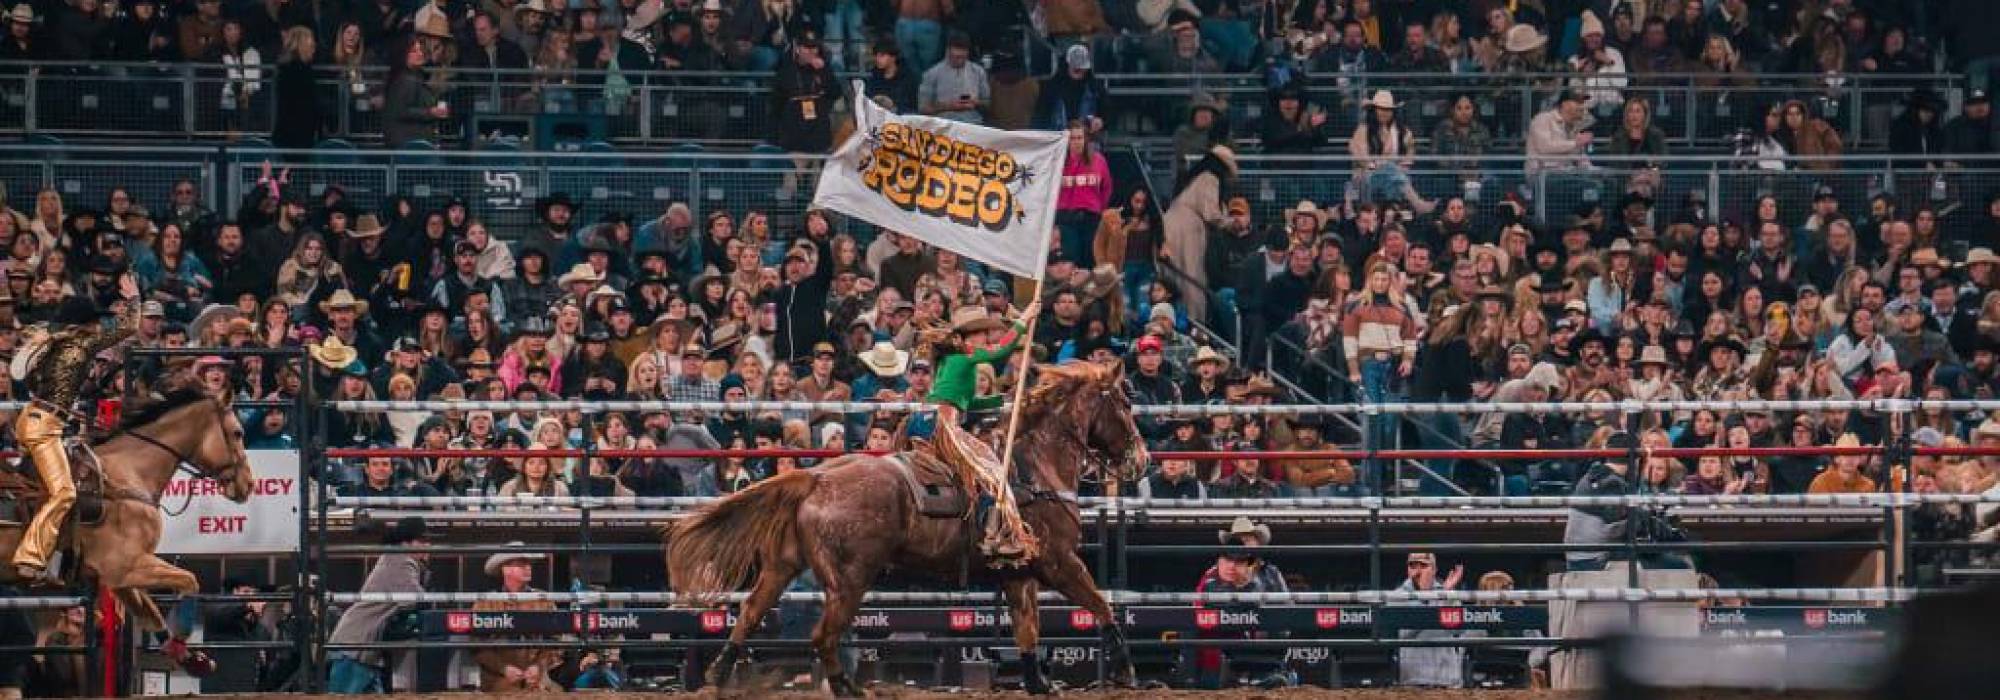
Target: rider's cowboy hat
point(343, 299)
point(500, 559)
point(1305, 207)
point(1382, 99)
point(580, 272)
point(333, 353)
point(1208, 354)
point(1243, 527)
point(972, 319)
point(885, 360)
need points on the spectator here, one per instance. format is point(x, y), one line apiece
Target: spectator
point(1180, 48)
point(298, 119)
point(1808, 137)
point(1919, 130)
point(1085, 193)
point(1293, 125)
point(1972, 130)
point(54, 675)
point(1207, 126)
point(889, 77)
point(361, 672)
point(412, 108)
point(1196, 207)
point(1175, 479)
point(1463, 138)
point(201, 31)
point(1600, 67)
point(22, 42)
point(802, 98)
point(1844, 476)
point(1075, 94)
point(1316, 476)
point(535, 477)
point(956, 87)
point(515, 669)
point(1431, 667)
point(1558, 138)
point(919, 28)
point(1382, 148)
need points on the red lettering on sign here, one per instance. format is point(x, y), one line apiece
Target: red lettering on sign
point(1082, 620)
point(713, 621)
point(1815, 617)
point(458, 622)
point(960, 620)
point(1451, 618)
point(1207, 619)
point(221, 524)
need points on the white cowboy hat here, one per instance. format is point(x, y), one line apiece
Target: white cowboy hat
point(1620, 247)
point(533, 6)
point(1382, 99)
point(341, 299)
point(499, 559)
point(716, 6)
point(23, 13)
point(30, 351)
point(1590, 24)
point(1208, 354)
point(580, 272)
point(333, 353)
point(1243, 527)
point(1305, 207)
point(1522, 38)
point(1980, 255)
point(1653, 355)
point(885, 360)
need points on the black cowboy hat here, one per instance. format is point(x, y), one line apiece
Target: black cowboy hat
point(1728, 341)
point(1632, 198)
point(1683, 329)
point(408, 529)
point(1544, 285)
point(1589, 335)
point(543, 204)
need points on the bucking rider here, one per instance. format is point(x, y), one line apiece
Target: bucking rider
point(57, 361)
point(978, 339)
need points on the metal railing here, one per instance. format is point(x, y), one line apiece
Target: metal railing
point(188, 100)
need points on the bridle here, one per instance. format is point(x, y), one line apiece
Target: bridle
point(183, 464)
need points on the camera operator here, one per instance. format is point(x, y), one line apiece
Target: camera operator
point(1601, 524)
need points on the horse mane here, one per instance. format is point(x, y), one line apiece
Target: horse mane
point(152, 411)
point(1055, 381)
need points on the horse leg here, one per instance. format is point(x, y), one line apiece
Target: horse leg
point(842, 600)
point(1065, 573)
point(148, 572)
point(141, 611)
point(771, 583)
point(1021, 603)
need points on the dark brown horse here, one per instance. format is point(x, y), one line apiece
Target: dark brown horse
point(855, 516)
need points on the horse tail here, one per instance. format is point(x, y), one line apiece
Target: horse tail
point(712, 551)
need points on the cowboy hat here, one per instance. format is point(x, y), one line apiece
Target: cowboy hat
point(1588, 336)
point(723, 338)
point(1103, 281)
point(540, 6)
point(1728, 341)
point(972, 319)
point(1545, 285)
point(23, 13)
point(1492, 291)
point(1243, 527)
point(333, 353)
point(500, 559)
point(343, 299)
point(1620, 247)
point(211, 315)
point(534, 325)
point(1653, 355)
point(1208, 354)
point(1793, 341)
point(435, 26)
point(1925, 257)
point(1980, 255)
point(1987, 429)
point(716, 6)
point(885, 360)
point(1522, 38)
point(366, 226)
point(543, 205)
point(1204, 100)
point(1305, 207)
point(1382, 99)
point(580, 272)
point(1260, 385)
point(408, 529)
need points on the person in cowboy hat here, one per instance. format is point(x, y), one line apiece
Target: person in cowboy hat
point(515, 669)
point(1238, 570)
point(1305, 221)
point(1382, 147)
point(21, 43)
point(1204, 382)
point(973, 343)
point(1844, 475)
point(1558, 138)
point(343, 314)
point(57, 365)
point(363, 671)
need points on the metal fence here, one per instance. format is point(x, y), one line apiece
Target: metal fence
point(665, 107)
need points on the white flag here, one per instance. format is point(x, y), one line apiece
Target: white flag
point(986, 194)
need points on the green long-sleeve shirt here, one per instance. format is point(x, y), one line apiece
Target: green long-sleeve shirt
point(958, 375)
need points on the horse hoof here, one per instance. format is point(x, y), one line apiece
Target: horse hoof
point(844, 687)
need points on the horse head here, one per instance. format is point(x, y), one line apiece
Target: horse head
point(199, 430)
point(1100, 410)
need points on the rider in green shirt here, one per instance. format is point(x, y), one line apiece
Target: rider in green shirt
point(1007, 540)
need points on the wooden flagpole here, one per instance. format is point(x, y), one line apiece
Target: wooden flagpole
point(1027, 348)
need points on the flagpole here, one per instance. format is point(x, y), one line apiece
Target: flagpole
point(1020, 387)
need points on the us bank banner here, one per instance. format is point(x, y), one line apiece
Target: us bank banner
point(984, 193)
point(268, 523)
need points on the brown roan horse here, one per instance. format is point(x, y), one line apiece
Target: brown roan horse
point(855, 517)
point(137, 463)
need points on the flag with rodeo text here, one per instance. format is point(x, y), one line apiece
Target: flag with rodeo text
point(984, 193)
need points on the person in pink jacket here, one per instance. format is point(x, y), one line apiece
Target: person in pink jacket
point(1086, 191)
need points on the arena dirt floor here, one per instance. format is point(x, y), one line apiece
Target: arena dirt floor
point(1243, 694)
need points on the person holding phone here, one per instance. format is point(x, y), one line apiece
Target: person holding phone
point(956, 87)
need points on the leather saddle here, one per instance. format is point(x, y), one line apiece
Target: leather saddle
point(932, 482)
point(21, 491)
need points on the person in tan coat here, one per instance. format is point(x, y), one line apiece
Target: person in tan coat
point(515, 670)
point(1315, 477)
point(1810, 136)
